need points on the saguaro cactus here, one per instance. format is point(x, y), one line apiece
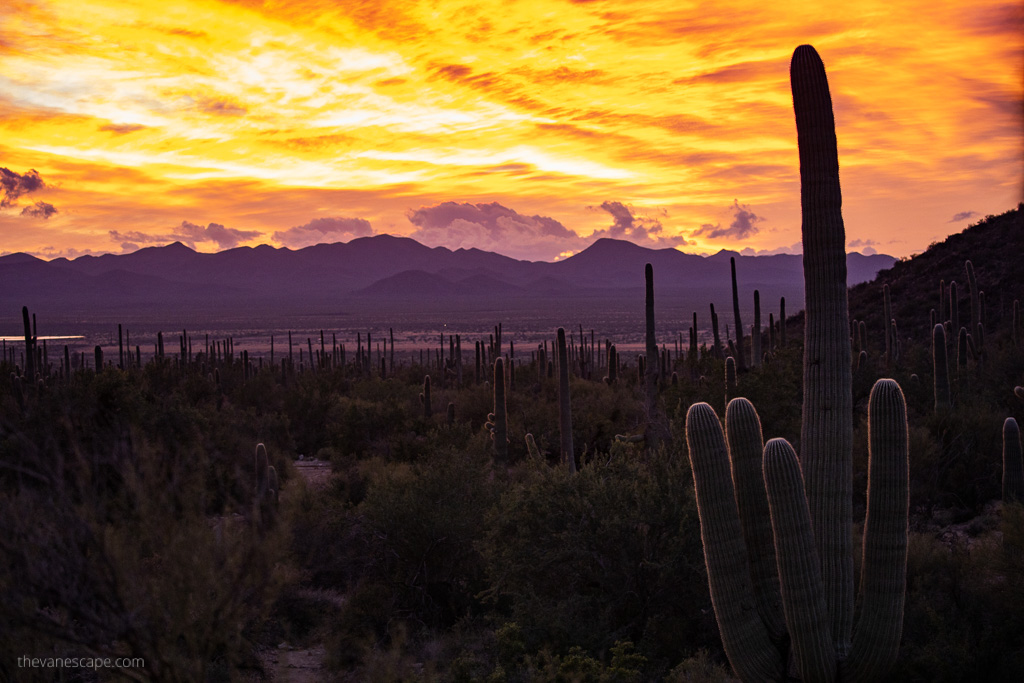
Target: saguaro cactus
point(657, 428)
point(425, 397)
point(30, 346)
point(497, 421)
point(1013, 466)
point(812, 531)
point(564, 406)
point(755, 333)
point(940, 364)
point(736, 315)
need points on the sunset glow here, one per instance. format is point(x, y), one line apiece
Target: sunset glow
point(529, 129)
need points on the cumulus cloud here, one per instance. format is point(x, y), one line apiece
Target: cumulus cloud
point(321, 230)
point(492, 227)
point(14, 185)
point(963, 216)
point(795, 248)
point(39, 210)
point(188, 234)
point(743, 225)
point(867, 247)
point(645, 231)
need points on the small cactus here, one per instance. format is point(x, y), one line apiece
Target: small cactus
point(531, 447)
point(425, 397)
point(1013, 466)
point(498, 420)
point(941, 369)
point(730, 379)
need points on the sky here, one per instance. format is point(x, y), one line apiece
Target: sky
point(527, 128)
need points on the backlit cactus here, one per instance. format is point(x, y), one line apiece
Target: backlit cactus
point(810, 500)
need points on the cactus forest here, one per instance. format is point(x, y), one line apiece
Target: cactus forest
point(826, 494)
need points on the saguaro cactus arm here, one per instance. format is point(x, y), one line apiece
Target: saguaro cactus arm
point(799, 568)
point(746, 448)
point(744, 636)
point(883, 579)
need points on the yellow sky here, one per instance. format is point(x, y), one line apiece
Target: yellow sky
point(529, 129)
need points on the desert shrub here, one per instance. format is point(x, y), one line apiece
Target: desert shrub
point(610, 554)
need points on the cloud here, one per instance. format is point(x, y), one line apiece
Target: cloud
point(628, 225)
point(862, 243)
point(121, 128)
point(320, 230)
point(492, 227)
point(39, 210)
point(14, 185)
point(188, 234)
point(743, 225)
point(963, 216)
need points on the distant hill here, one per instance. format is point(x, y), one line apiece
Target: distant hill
point(995, 247)
point(385, 273)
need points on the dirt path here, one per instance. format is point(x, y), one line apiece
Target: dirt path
point(290, 664)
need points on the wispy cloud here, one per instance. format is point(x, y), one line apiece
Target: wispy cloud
point(963, 216)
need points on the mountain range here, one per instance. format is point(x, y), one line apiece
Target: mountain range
point(385, 273)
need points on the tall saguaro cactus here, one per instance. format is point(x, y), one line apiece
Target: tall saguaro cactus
point(810, 500)
point(564, 406)
point(736, 316)
point(498, 420)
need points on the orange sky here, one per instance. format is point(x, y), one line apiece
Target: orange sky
point(529, 130)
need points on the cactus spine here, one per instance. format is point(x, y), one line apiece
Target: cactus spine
point(812, 532)
point(564, 407)
point(1013, 466)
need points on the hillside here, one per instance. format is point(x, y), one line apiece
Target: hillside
point(994, 245)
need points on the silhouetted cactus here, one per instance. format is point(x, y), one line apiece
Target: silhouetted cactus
point(1013, 466)
point(887, 321)
point(940, 365)
point(657, 429)
point(755, 335)
point(812, 534)
point(782, 321)
point(30, 346)
point(613, 366)
point(98, 353)
point(425, 397)
point(450, 414)
point(564, 406)
point(716, 340)
point(531, 447)
point(730, 379)
point(972, 285)
point(736, 314)
point(497, 422)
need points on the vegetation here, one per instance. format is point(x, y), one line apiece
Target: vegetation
point(516, 536)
